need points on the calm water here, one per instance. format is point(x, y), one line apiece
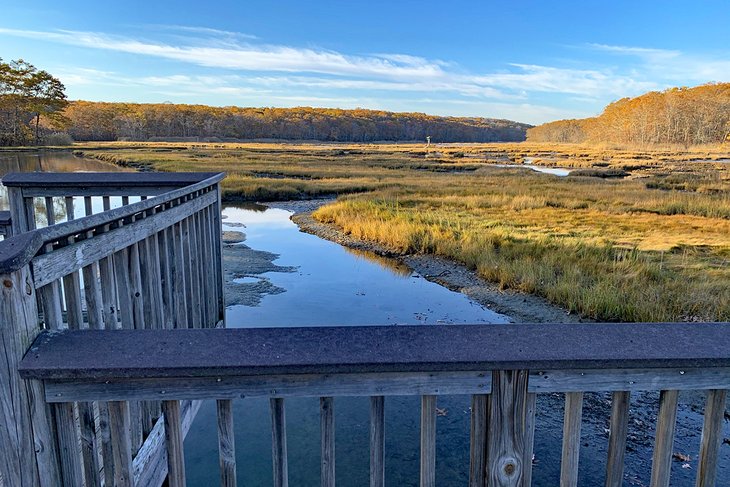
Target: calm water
point(334, 286)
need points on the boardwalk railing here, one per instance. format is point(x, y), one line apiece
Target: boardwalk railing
point(150, 264)
point(109, 341)
point(503, 367)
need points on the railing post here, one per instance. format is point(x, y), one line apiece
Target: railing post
point(28, 450)
point(18, 214)
point(507, 421)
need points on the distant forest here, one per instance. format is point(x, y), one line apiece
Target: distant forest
point(686, 116)
point(93, 121)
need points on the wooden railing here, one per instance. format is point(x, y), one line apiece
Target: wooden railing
point(503, 367)
point(150, 264)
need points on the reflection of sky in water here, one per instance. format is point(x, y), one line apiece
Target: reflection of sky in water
point(334, 286)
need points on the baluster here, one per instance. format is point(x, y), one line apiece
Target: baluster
point(165, 255)
point(68, 444)
point(661, 466)
point(428, 441)
point(711, 438)
point(174, 441)
point(119, 425)
point(505, 447)
point(278, 443)
point(377, 441)
point(571, 439)
point(478, 440)
point(218, 256)
point(92, 293)
point(193, 261)
point(529, 439)
point(617, 438)
point(327, 430)
point(72, 283)
point(108, 283)
point(180, 281)
point(226, 443)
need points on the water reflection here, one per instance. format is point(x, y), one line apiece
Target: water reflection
point(396, 267)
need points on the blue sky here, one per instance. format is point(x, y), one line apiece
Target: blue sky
point(531, 61)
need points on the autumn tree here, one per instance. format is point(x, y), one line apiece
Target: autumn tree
point(28, 98)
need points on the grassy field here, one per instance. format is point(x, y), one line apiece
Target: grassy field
point(630, 235)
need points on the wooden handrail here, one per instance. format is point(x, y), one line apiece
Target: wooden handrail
point(137, 354)
point(20, 249)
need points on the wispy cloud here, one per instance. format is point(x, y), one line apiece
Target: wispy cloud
point(389, 71)
point(251, 71)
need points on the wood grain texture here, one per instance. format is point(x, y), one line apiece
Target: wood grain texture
point(377, 441)
point(68, 444)
point(571, 439)
point(278, 443)
point(428, 441)
point(711, 438)
point(620, 402)
point(226, 443)
point(327, 441)
point(26, 421)
point(507, 428)
point(174, 442)
point(661, 467)
point(531, 409)
point(121, 443)
point(301, 385)
point(478, 440)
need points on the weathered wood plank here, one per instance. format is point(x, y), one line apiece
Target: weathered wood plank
point(505, 448)
point(531, 409)
point(89, 453)
point(218, 254)
point(72, 182)
point(18, 216)
point(571, 439)
point(278, 443)
point(428, 441)
point(661, 467)
point(327, 440)
point(179, 278)
point(377, 441)
point(365, 349)
point(68, 444)
point(302, 385)
point(121, 443)
point(92, 289)
point(150, 463)
point(711, 438)
point(619, 427)
point(226, 443)
point(71, 282)
point(105, 443)
point(478, 440)
point(174, 441)
point(26, 421)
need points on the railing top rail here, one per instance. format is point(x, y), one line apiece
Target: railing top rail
point(18, 250)
point(132, 354)
point(103, 179)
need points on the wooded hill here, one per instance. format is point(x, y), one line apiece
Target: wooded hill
point(686, 116)
point(94, 121)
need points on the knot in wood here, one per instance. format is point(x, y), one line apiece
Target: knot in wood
point(8, 283)
point(509, 468)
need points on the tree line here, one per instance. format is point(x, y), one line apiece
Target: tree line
point(686, 116)
point(31, 103)
point(97, 121)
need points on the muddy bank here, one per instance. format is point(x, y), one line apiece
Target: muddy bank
point(520, 307)
point(241, 262)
